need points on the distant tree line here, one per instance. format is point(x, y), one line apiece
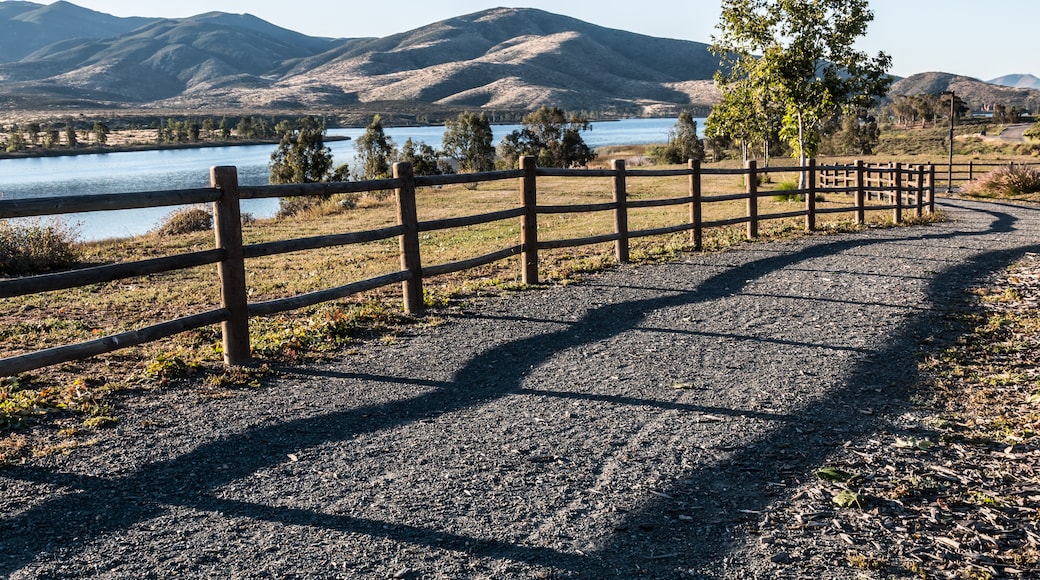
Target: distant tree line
point(911, 110)
point(72, 133)
point(36, 135)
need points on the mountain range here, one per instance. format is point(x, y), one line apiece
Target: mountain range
point(978, 95)
point(64, 56)
point(61, 54)
point(1017, 81)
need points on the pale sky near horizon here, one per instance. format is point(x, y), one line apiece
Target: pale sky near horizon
point(980, 40)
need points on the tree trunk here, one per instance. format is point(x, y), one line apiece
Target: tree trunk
point(802, 177)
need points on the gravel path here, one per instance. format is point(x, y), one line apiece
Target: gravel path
point(636, 425)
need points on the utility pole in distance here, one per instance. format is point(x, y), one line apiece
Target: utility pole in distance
point(949, 173)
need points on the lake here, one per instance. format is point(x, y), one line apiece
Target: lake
point(189, 168)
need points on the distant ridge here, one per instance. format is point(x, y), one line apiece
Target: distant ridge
point(980, 96)
point(505, 58)
point(1017, 81)
point(26, 26)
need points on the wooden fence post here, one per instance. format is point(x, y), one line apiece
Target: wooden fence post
point(620, 211)
point(971, 170)
point(861, 193)
point(411, 260)
point(919, 210)
point(227, 227)
point(931, 188)
point(810, 196)
point(752, 202)
point(898, 178)
point(696, 215)
point(529, 221)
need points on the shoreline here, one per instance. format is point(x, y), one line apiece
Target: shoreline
point(105, 149)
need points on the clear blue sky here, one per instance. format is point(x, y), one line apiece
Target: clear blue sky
point(977, 39)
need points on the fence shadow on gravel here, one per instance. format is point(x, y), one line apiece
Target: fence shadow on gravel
point(193, 478)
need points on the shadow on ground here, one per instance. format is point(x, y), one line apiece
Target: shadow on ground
point(100, 505)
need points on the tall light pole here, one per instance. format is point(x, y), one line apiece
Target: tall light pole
point(949, 171)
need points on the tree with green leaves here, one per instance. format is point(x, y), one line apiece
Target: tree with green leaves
point(208, 127)
point(375, 151)
point(244, 129)
point(15, 141)
point(52, 138)
point(808, 62)
point(33, 131)
point(70, 133)
point(853, 132)
point(683, 142)
point(550, 135)
point(859, 133)
point(745, 116)
point(1005, 114)
point(100, 131)
point(470, 141)
point(193, 130)
point(301, 156)
point(423, 157)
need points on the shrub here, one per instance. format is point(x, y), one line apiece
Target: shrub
point(291, 206)
point(1007, 181)
point(32, 247)
point(186, 221)
point(787, 186)
point(316, 206)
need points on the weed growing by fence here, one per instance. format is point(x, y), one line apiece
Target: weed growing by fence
point(1010, 181)
point(29, 247)
point(323, 329)
point(186, 221)
point(787, 186)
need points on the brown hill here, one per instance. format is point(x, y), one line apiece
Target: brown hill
point(980, 96)
point(501, 58)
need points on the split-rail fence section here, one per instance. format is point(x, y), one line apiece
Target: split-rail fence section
point(899, 188)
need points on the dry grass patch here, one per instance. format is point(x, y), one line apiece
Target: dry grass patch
point(1017, 182)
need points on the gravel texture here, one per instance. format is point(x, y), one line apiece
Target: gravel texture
point(636, 425)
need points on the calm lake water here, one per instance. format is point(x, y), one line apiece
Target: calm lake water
point(189, 168)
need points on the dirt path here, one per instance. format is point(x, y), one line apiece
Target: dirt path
point(1014, 133)
point(635, 425)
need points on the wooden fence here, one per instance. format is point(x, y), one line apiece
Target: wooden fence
point(963, 173)
point(949, 176)
point(905, 189)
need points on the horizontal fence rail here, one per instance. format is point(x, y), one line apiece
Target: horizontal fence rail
point(959, 174)
point(897, 188)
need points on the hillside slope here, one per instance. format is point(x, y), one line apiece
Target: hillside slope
point(502, 58)
point(1018, 81)
point(511, 58)
point(978, 95)
point(26, 26)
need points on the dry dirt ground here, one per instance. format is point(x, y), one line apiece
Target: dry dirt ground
point(657, 421)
